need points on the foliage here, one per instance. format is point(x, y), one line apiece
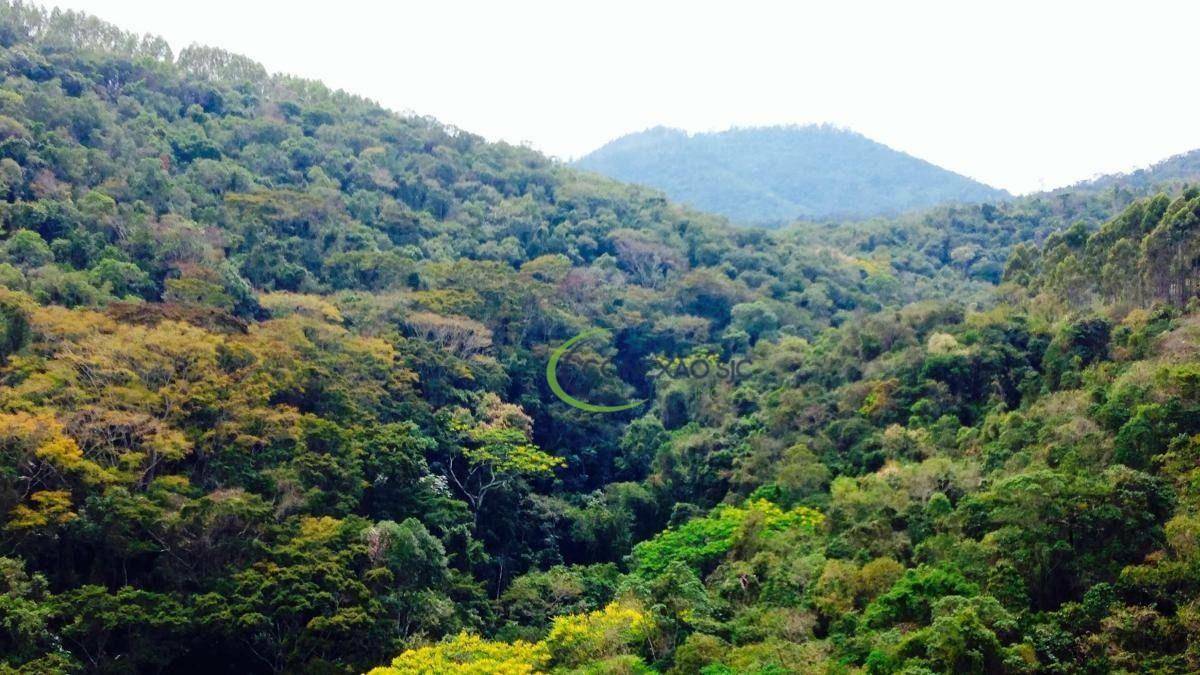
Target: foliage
point(469, 655)
point(573, 640)
point(272, 399)
point(701, 541)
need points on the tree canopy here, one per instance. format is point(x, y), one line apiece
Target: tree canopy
point(273, 399)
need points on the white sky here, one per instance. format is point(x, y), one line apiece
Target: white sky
point(1021, 95)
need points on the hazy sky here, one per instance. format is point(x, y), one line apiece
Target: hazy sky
point(1021, 95)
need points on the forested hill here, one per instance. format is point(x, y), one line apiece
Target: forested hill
point(1180, 168)
point(772, 175)
point(273, 398)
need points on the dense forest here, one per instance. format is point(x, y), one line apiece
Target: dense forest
point(273, 398)
point(772, 175)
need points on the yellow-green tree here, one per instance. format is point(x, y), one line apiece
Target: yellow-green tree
point(467, 654)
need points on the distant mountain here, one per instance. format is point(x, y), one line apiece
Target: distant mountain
point(777, 174)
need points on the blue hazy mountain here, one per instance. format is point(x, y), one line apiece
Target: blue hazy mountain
point(775, 174)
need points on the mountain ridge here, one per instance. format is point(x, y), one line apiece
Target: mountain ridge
point(1178, 168)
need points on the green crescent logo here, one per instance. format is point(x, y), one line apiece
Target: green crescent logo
point(552, 377)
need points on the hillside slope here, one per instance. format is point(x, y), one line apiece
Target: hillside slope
point(274, 398)
point(776, 174)
point(1181, 168)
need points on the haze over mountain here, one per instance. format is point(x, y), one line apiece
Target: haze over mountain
point(769, 175)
